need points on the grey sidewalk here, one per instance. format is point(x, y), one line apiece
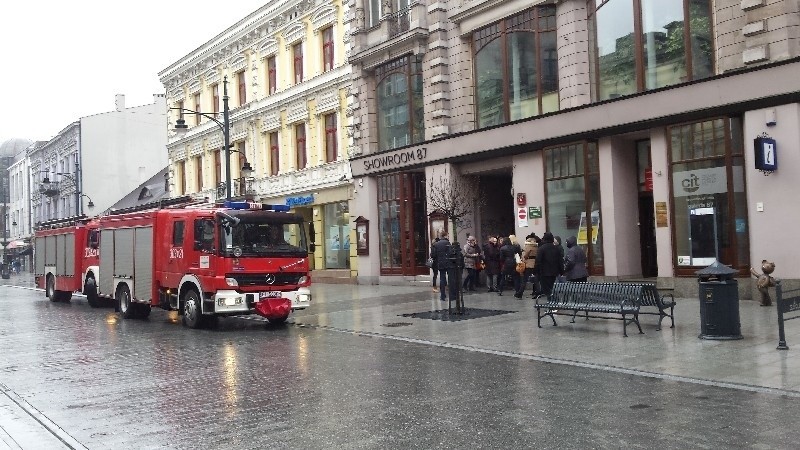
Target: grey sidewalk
point(672, 353)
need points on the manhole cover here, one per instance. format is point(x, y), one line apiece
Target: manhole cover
point(397, 324)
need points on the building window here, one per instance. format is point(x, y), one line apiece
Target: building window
point(217, 167)
point(708, 195)
point(198, 169)
point(272, 75)
point(274, 154)
point(648, 44)
point(242, 88)
point(215, 101)
point(179, 108)
point(400, 108)
point(297, 53)
point(327, 49)
point(337, 236)
point(300, 146)
point(572, 190)
point(374, 13)
point(403, 224)
point(197, 116)
point(516, 67)
point(182, 177)
point(331, 152)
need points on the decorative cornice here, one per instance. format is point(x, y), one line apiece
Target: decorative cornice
point(297, 112)
point(323, 17)
point(294, 33)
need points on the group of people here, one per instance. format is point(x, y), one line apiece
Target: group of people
point(502, 258)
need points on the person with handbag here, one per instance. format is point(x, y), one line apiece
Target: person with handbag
point(510, 257)
point(472, 256)
point(529, 257)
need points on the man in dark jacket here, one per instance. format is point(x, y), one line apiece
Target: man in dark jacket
point(441, 254)
point(549, 263)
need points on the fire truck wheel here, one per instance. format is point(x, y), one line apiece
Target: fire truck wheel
point(50, 288)
point(278, 320)
point(192, 316)
point(126, 309)
point(90, 289)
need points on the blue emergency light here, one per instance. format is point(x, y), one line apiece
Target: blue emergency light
point(256, 206)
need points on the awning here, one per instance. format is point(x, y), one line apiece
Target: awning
point(17, 244)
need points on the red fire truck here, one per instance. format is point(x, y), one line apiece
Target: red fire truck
point(205, 261)
point(65, 258)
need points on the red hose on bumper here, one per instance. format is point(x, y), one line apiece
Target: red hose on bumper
point(274, 308)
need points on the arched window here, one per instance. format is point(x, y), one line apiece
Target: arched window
point(400, 109)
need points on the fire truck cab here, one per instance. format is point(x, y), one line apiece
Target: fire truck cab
point(205, 261)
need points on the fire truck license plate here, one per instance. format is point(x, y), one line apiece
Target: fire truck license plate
point(270, 294)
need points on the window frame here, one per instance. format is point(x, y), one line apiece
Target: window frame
point(331, 136)
point(274, 153)
point(409, 66)
point(504, 28)
point(197, 116)
point(272, 74)
point(241, 83)
point(215, 98)
point(198, 167)
point(327, 49)
point(301, 158)
point(297, 57)
point(592, 6)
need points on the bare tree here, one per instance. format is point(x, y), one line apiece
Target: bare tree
point(454, 196)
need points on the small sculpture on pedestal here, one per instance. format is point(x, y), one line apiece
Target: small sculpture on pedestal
point(765, 281)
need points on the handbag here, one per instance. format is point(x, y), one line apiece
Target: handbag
point(429, 262)
point(520, 267)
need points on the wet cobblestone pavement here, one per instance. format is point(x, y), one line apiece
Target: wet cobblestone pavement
point(112, 384)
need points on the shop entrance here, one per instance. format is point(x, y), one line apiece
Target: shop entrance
point(496, 217)
point(647, 220)
point(403, 224)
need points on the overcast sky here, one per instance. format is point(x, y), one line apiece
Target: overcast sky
point(63, 60)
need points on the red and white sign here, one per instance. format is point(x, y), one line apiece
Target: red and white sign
point(522, 215)
point(648, 179)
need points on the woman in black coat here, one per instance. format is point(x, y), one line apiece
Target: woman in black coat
point(491, 256)
point(549, 263)
point(507, 252)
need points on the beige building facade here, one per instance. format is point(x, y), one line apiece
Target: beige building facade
point(641, 127)
point(287, 77)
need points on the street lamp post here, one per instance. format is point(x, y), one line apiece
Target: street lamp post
point(225, 125)
point(46, 188)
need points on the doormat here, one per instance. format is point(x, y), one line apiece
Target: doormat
point(453, 316)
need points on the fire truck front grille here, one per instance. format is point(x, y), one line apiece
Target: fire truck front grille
point(265, 279)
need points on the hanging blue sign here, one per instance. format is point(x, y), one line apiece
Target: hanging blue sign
point(766, 154)
point(300, 201)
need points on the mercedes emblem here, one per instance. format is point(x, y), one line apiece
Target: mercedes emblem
point(270, 279)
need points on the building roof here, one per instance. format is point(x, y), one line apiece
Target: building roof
point(13, 147)
point(151, 190)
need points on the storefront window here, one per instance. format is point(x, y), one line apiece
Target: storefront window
point(709, 206)
point(653, 48)
point(573, 198)
point(337, 236)
point(517, 67)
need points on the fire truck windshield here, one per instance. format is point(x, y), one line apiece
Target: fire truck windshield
point(258, 239)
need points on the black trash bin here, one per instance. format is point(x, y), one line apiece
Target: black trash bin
point(719, 303)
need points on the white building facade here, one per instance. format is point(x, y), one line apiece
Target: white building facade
point(286, 73)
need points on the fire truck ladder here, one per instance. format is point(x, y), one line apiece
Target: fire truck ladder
point(62, 222)
point(158, 204)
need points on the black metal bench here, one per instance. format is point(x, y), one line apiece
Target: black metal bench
point(607, 298)
point(651, 297)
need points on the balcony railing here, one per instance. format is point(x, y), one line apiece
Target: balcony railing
point(400, 21)
point(50, 189)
